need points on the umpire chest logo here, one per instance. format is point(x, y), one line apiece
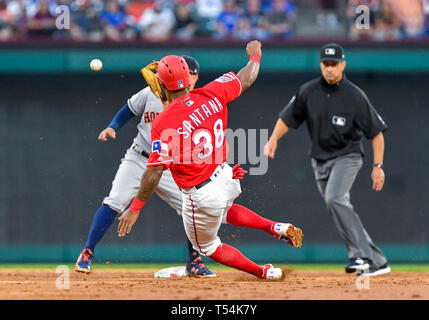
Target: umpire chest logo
point(339, 121)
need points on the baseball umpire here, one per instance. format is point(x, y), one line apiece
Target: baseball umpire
point(127, 180)
point(338, 114)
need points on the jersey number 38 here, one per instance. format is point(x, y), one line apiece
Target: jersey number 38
point(204, 137)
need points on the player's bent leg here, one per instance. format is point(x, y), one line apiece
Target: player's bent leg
point(124, 188)
point(195, 265)
point(231, 257)
point(241, 216)
point(203, 235)
point(204, 210)
point(168, 191)
point(102, 221)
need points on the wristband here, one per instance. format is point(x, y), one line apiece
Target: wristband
point(137, 204)
point(256, 58)
point(378, 165)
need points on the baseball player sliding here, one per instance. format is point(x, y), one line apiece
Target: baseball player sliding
point(126, 183)
point(189, 139)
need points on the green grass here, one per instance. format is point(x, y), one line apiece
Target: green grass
point(115, 266)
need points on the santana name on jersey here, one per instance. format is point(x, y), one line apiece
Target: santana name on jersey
point(199, 115)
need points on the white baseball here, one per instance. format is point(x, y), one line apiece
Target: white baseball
point(96, 65)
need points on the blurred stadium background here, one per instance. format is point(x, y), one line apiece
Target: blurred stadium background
point(54, 173)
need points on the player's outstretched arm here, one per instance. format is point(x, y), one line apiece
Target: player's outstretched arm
point(107, 133)
point(121, 118)
point(279, 131)
point(149, 181)
point(250, 72)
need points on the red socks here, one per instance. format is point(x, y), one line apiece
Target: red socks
point(233, 258)
point(240, 216)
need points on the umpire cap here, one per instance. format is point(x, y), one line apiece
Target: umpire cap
point(194, 67)
point(332, 52)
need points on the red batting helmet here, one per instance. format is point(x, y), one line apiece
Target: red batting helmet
point(173, 73)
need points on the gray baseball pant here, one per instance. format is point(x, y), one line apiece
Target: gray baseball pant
point(126, 184)
point(335, 178)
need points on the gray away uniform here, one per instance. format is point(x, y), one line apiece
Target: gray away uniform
point(127, 180)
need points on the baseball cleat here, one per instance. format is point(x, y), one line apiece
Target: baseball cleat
point(357, 264)
point(196, 268)
point(288, 233)
point(270, 272)
point(83, 263)
point(375, 271)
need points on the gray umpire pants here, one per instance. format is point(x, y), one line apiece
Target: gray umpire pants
point(335, 178)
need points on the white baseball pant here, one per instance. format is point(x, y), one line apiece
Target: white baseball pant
point(205, 209)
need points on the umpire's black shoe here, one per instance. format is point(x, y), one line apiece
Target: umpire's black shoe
point(375, 271)
point(357, 264)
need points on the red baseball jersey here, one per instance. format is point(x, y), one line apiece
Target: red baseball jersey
point(189, 136)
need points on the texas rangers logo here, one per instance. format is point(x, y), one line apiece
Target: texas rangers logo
point(160, 147)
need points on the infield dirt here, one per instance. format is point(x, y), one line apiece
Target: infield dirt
point(118, 284)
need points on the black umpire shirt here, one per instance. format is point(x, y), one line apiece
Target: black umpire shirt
point(337, 117)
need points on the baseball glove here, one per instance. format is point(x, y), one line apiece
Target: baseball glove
point(148, 73)
point(295, 236)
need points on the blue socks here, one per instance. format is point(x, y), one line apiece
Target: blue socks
point(103, 219)
point(192, 254)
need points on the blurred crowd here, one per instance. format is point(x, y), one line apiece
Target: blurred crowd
point(161, 20)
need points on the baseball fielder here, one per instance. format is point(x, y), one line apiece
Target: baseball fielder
point(189, 139)
point(126, 183)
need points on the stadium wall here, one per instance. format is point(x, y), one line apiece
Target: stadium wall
point(66, 60)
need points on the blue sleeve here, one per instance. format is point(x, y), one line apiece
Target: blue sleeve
point(121, 118)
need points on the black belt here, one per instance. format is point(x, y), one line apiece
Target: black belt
point(202, 184)
point(199, 186)
point(143, 153)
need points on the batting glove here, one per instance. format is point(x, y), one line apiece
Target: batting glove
point(238, 172)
